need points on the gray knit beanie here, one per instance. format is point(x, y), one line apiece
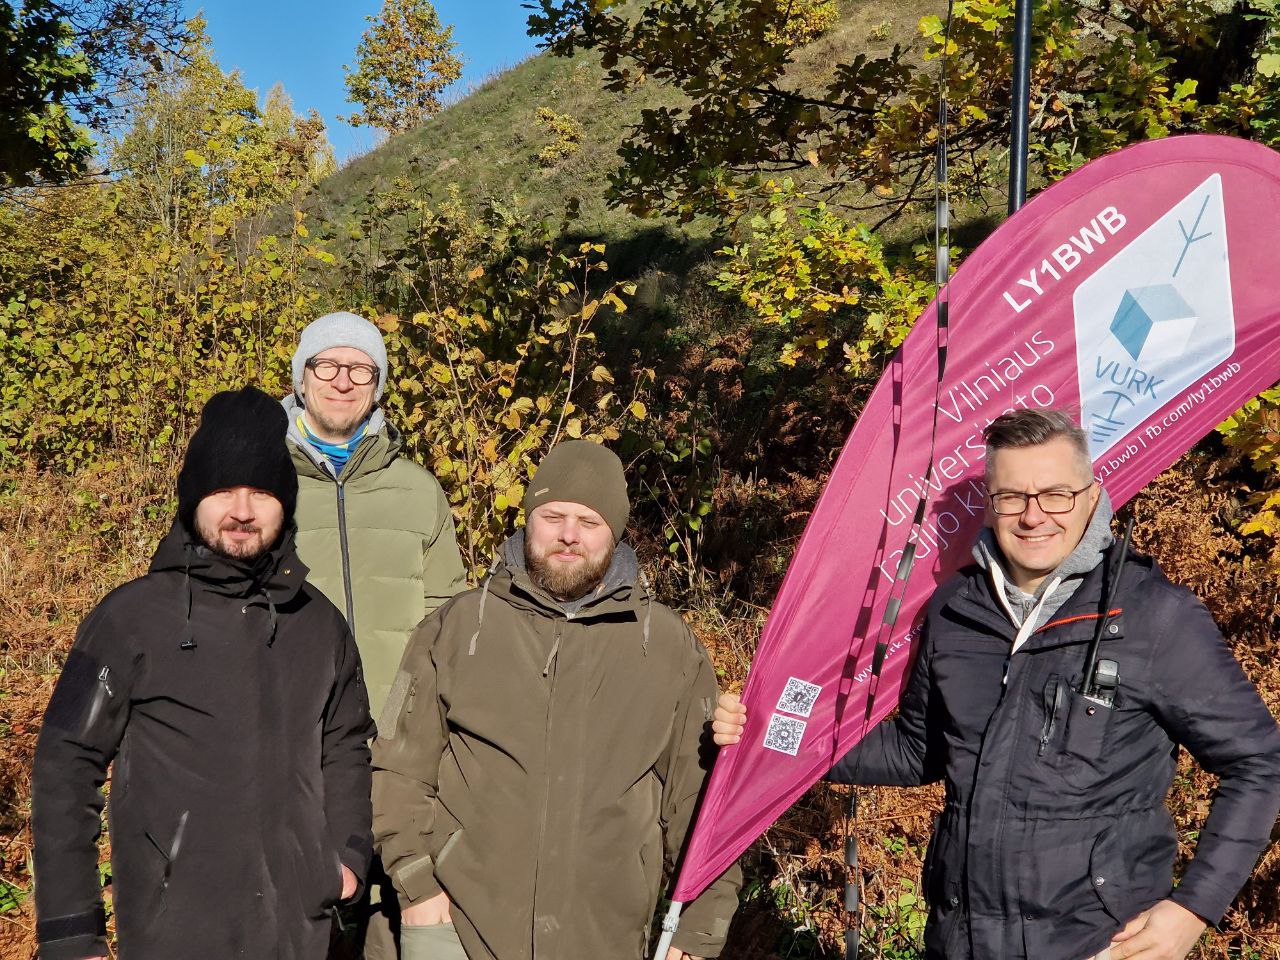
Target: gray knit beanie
point(340, 330)
point(579, 471)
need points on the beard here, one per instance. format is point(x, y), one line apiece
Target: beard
point(244, 550)
point(331, 426)
point(566, 581)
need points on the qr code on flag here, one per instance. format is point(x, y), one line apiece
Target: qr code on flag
point(798, 697)
point(784, 734)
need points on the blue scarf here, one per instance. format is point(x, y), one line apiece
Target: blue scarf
point(336, 453)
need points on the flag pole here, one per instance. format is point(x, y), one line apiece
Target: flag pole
point(1020, 127)
point(669, 924)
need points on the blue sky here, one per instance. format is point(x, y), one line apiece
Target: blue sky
point(304, 45)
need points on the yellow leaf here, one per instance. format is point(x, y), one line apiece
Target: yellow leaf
point(812, 157)
point(574, 428)
point(601, 375)
point(638, 410)
point(440, 373)
point(490, 450)
point(475, 273)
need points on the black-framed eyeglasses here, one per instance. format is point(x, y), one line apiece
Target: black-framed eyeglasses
point(361, 374)
point(1049, 501)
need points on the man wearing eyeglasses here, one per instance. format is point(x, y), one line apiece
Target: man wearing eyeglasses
point(1055, 842)
point(374, 527)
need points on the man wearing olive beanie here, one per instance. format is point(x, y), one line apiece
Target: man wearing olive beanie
point(542, 729)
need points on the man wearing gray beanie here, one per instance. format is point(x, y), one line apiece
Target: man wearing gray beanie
point(374, 527)
point(542, 751)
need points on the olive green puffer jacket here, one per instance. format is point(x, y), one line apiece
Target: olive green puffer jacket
point(379, 541)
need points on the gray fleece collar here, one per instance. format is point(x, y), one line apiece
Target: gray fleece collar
point(1081, 561)
point(624, 570)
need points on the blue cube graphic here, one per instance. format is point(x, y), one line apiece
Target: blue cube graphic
point(1159, 310)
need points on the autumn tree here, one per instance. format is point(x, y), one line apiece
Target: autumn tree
point(1105, 75)
point(790, 161)
point(201, 149)
point(404, 61)
point(68, 69)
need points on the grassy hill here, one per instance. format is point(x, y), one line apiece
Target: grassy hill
point(487, 144)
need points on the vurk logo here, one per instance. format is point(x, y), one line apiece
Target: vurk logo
point(1155, 319)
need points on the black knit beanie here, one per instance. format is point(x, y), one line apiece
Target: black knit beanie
point(579, 471)
point(239, 443)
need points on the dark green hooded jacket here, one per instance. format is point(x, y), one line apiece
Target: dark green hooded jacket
point(540, 765)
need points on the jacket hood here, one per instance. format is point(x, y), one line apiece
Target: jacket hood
point(277, 570)
point(380, 445)
point(1061, 584)
point(623, 572)
point(621, 592)
point(272, 579)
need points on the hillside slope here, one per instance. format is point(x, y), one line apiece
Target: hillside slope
point(487, 144)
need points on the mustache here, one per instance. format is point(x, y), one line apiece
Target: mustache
point(561, 547)
point(240, 526)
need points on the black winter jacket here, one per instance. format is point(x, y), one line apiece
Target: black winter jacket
point(233, 704)
point(1055, 831)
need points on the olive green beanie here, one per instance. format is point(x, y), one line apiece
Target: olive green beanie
point(579, 471)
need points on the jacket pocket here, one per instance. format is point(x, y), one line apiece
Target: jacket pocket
point(651, 863)
point(1110, 876)
point(169, 852)
point(336, 873)
point(1073, 737)
point(448, 846)
point(929, 869)
point(941, 880)
point(1083, 760)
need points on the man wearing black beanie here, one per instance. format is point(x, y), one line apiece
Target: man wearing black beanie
point(228, 693)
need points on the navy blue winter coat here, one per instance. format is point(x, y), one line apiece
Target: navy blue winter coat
point(1055, 831)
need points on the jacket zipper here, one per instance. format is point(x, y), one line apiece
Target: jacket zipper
point(100, 696)
point(1000, 825)
point(546, 790)
point(1052, 707)
point(171, 854)
point(346, 557)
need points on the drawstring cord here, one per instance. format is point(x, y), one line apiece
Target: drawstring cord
point(188, 635)
point(555, 648)
point(648, 612)
point(484, 595)
point(188, 641)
